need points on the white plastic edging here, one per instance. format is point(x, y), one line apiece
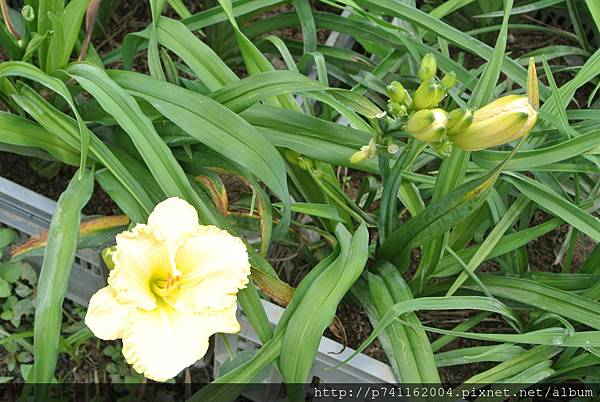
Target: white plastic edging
point(30, 213)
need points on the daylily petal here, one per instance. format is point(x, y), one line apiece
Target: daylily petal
point(173, 219)
point(214, 266)
point(140, 258)
point(162, 342)
point(225, 321)
point(105, 316)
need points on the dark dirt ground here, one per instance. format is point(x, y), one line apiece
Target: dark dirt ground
point(133, 16)
point(17, 168)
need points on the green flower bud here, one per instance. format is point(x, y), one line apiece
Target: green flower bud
point(428, 125)
point(428, 67)
point(28, 13)
point(459, 120)
point(306, 164)
point(428, 95)
point(107, 254)
point(449, 80)
point(396, 92)
point(393, 148)
point(504, 120)
point(292, 156)
point(533, 92)
point(396, 109)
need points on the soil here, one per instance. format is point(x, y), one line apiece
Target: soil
point(17, 168)
point(543, 251)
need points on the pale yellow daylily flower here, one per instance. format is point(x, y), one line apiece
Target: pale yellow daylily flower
point(173, 285)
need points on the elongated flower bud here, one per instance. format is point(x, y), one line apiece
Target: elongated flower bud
point(291, 156)
point(428, 67)
point(497, 123)
point(533, 92)
point(449, 80)
point(428, 125)
point(396, 92)
point(428, 95)
point(459, 120)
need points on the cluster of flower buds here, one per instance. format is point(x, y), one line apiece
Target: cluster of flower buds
point(501, 121)
point(504, 120)
point(426, 121)
point(431, 91)
point(428, 95)
point(399, 101)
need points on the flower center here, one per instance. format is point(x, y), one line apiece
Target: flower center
point(164, 287)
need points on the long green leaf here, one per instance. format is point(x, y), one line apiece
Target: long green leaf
point(203, 61)
point(217, 127)
point(544, 297)
point(67, 26)
point(484, 91)
point(402, 351)
point(595, 11)
point(316, 309)
point(64, 127)
point(436, 219)
point(418, 340)
point(29, 71)
point(435, 303)
point(556, 204)
point(16, 130)
point(54, 276)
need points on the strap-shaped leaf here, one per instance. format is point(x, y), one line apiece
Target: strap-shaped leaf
point(217, 127)
point(54, 276)
point(29, 71)
point(317, 306)
point(437, 218)
point(556, 204)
